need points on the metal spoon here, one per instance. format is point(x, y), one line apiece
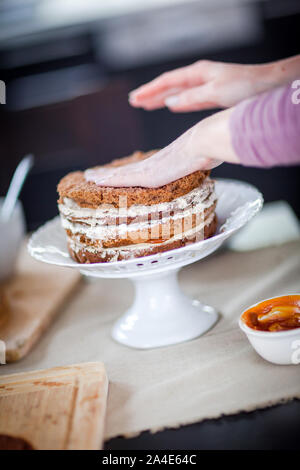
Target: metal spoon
point(15, 187)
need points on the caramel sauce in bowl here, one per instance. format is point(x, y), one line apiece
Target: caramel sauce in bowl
point(273, 328)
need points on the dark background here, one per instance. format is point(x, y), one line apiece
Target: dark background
point(68, 83)
point(68, 78)
point(275, 428)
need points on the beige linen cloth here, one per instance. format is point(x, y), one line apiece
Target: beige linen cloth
point(216, 374)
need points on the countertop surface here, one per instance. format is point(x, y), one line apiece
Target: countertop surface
point(204, 379)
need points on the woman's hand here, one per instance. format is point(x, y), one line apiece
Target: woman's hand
point(207, 84)
point(202, 147)
point(204, 84)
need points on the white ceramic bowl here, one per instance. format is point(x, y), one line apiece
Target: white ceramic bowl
point(11, 236)
point(281, 347)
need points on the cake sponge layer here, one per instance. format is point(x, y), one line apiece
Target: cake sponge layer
point(87, 194)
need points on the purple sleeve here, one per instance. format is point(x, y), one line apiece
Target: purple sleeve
point(265, 130)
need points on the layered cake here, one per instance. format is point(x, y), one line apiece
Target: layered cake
point(112, 224)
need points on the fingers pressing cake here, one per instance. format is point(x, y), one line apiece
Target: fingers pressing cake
point(112, 224)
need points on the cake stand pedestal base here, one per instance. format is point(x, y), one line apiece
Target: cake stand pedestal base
point(162, 314)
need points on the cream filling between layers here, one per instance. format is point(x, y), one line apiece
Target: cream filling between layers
point(94, 231)
point(76, 245)
point(71, 209)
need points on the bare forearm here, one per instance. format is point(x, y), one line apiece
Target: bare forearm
point(213, 138)
point(283, 71)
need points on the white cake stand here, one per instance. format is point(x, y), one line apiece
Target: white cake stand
point(160, 314)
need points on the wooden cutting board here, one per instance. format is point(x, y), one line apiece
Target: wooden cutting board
point(58, 409)
point(29, 302)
